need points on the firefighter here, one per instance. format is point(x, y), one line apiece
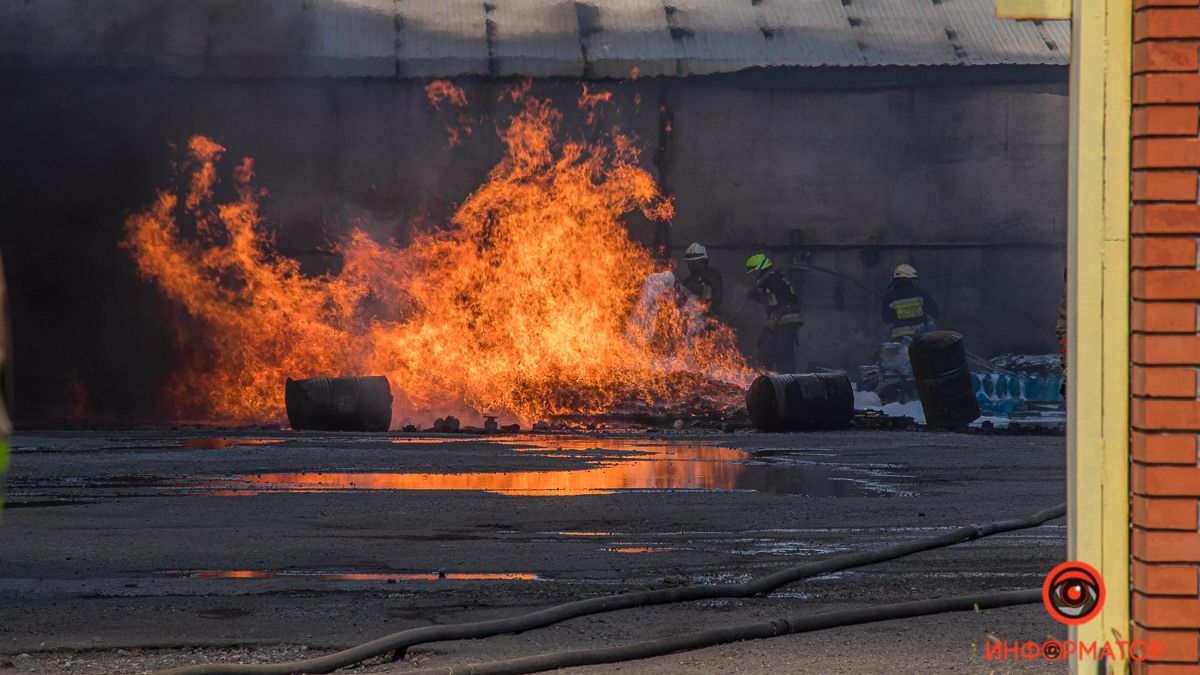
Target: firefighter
point(5, 381)
point(1060, 332)
point(777, 341)
point(908, 309)
point(703, 281)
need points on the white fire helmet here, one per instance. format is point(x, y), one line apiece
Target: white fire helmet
point(696, 252)
point(904, 272)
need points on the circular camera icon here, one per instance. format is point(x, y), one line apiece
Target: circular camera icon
point(1073, 593)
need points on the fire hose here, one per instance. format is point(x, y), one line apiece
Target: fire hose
point(747, 631)
point(398, 642)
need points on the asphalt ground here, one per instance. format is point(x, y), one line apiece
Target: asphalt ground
point(132, 551)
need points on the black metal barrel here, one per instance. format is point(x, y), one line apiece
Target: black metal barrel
point(801, 402)
point(939, 363)
point(339, 403)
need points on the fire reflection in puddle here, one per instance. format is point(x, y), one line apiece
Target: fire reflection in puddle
point(640, 549)
point(357, 576)
point(423, 440)
point(610, 465)
point(222, 443)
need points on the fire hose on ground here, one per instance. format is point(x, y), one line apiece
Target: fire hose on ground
point(398, 642)
point(747, 631)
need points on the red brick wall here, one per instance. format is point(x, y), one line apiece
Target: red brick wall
point(1165, 344)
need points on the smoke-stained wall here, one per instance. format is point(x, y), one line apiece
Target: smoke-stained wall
point(965, 181)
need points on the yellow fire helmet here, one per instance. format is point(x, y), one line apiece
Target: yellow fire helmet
point(904, 271)
point(757, 263)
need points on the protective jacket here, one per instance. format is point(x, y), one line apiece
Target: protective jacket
point(6, 373)
point(1060, 326)
point(1060, 331)
point(5, 381)
point(906, 308)
point(707, 286)
point(778, 297)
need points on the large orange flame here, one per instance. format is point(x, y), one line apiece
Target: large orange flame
point(533, 301)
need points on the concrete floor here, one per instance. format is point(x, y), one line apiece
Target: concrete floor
point(131, 551)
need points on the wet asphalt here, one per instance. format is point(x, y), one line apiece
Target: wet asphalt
point(127, 551)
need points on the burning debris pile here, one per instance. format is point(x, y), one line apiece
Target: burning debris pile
point(532, 302)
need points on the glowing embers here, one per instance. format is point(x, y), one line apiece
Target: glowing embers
point(357, 576)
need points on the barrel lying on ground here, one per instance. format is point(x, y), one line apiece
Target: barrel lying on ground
point(801, 402)
point(939, 363)
point(339, 403)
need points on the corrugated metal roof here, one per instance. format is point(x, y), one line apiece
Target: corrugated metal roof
point(440, 39)
point(576, 38)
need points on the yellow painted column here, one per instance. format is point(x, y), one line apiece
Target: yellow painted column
point(1098, 300)
point(1033, 9)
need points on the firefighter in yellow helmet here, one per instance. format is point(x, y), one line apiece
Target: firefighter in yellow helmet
point(777, 341)
point(907, 309)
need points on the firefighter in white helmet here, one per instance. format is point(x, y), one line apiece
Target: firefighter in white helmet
point(703, 281)
point(907, 309)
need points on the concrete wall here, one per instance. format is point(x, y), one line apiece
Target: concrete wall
point(966, 181)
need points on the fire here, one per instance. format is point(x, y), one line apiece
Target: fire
point(445, 90)
point(439, 91)
point(589, 101)
point(532, 301)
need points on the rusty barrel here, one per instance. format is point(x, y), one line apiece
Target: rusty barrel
point(339, 403)
point(939, 363)
point(800, 402)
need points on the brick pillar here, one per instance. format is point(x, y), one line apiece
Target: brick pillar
point(1165, 345)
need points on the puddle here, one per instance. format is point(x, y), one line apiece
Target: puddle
point(618, 465)
point(44, 503)
point(565, 466)
point(641, 549)
point(430, 440)
point(791, 549)
point(356, 576)
point(222, 443)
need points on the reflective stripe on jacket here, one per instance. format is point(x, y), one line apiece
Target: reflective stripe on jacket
point(778, 296)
